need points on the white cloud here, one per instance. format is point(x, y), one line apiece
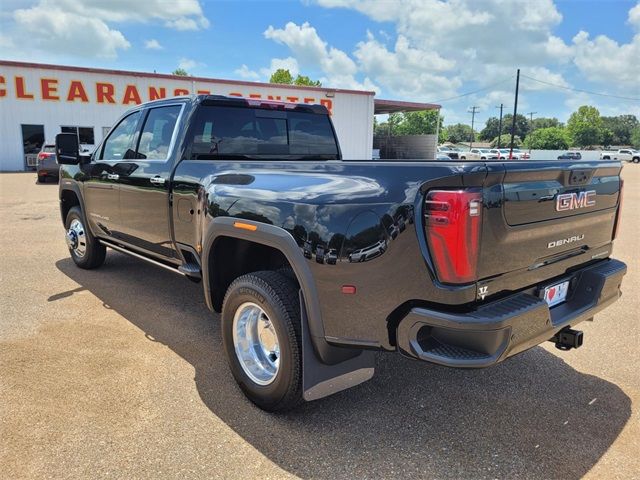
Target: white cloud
point(634, 16)
point(152, 44)
point(406, 71)
point(246, 72)
point(178, 14)
point(441, 45)
point(85, 28)
point(56, 30)
point(543, 74)
point(188, 64)
point(606, 61)
point(311, 51)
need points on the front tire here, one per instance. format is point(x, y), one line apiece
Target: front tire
point(636, 160)
point(86, 251)
point(262, 339)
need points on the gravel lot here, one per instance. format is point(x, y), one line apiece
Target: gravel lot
point(119, 372)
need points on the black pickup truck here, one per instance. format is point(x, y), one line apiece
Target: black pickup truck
point(316, 262)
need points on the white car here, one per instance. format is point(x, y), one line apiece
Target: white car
point(478, 154)
point(516, 155)
point(624, 154)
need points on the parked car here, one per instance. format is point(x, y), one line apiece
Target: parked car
point(46, 166)
point(624, 154)
point(506, 154)
point(452, 153)
point(518, 154)
point(487, 270)
point(570, 156)
point(331, 257)
point(368, 253)
point(443, 158)
point(478, 154)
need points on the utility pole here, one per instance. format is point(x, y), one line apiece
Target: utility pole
point(500, 126)
point(515, 112)
point(531, 114)
point(473, 111)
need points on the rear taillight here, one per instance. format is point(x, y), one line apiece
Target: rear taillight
point(41, 156)
point(616, 225)
point(452, 223)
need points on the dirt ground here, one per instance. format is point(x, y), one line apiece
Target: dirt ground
point(119, 373)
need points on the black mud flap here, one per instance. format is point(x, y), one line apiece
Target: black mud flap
point(321, 380)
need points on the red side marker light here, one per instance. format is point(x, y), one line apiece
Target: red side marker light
point(349, 289)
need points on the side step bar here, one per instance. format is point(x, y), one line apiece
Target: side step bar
point(142, 257)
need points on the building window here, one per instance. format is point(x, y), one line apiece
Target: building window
point(85, 134)
point(32, 138)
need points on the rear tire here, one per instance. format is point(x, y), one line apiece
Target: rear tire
point(636, 160)
point(86, 251)
point(272, 299)
point(42, 179)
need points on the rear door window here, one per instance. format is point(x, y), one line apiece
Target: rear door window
point(157, 133)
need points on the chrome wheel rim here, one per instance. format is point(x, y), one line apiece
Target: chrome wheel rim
point(76, 238)
point(256, 343)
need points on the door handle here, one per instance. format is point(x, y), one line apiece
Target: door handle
point(157, 180)
point(113, 176)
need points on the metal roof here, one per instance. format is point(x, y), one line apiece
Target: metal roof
point(396, 106)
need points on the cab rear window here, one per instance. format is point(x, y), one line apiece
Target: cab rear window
point(232, 132)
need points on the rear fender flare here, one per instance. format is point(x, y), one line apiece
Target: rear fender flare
point(281, 240)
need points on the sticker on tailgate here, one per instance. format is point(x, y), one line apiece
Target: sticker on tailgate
point(556, 294)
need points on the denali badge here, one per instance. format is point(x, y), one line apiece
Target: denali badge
point(565, 241)
point(573, 201)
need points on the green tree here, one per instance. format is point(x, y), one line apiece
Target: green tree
point(545, 122)
point(490, 130)
point(505, 141)
point(180, 72)
point(635, 138)
point(585, 126)
point(459, 133)
point(522, 125)
point(550, 138)
point(304, 80)
point(492, 127)
point(621, 128)
point(282, 75)
point(422, 122)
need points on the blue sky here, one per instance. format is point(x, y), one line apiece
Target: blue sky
point(421, 50)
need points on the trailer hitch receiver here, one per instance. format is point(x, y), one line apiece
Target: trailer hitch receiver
point(566, 339)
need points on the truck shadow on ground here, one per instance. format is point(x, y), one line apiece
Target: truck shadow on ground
point(533, 416)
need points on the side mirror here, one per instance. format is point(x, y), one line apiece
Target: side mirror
point(67, 149)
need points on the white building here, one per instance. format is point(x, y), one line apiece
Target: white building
point(38, 101)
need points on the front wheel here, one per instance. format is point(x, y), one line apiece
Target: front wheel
point(262, 340)
point(636, 160)
point(86, 251)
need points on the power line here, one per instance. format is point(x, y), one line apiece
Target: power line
point(475, 91)
point(581, 90)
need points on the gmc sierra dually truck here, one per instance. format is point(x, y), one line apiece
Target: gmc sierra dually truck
point(316, 263)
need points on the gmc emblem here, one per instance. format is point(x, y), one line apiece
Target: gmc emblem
point(574, 201)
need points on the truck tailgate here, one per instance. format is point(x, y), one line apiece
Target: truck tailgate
point(541, 219)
